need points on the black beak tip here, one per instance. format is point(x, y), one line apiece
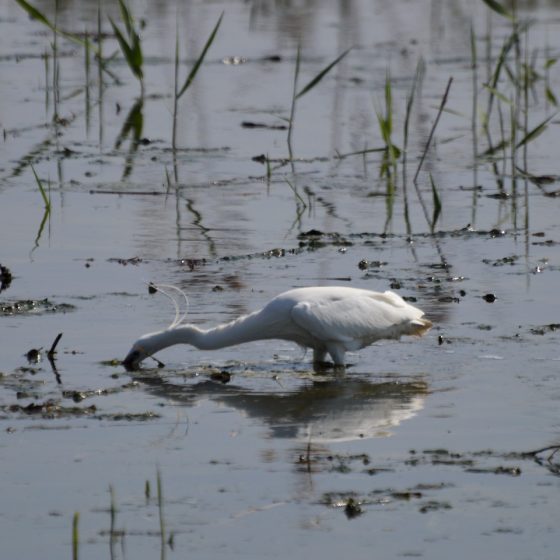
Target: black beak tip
point(130, 363)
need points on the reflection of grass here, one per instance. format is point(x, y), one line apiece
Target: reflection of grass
point(47, 211)
point(132, 126)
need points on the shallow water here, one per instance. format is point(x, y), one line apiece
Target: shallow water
point(421, 448)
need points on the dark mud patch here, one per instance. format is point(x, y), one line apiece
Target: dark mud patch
point(52, 409)
point(424, 497)
point(421, 497)
point(33, 307)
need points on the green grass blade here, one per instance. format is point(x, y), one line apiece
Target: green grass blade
point(34, 13)
point(75, 536)
point(127, 18)
point(499, 9)
point(132, 54)
point(200, 58)
point(551, 98)
point(537, 131)
point(322, 74)
point(497, 94)
point(502, 145)
point(388, 105)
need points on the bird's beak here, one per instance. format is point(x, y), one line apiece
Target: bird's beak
point(132, 360)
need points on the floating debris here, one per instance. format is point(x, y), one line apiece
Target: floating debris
point(221, 376)
point(52, 409)
point(352, 509)
point(250, 124)
point(511, 260)
point(125, 262)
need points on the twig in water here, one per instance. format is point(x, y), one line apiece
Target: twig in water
point(52, 351)
point(442, 105)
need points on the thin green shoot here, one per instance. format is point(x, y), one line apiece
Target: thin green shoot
point(416, 83)
point(549, 94)
point(420, 67)
point(37, 15)
point(392, 153)
point(297, 195)
point(47, 89)
point(200, 59)
point(56, 68)
point(293, 105)
point(175, 86)
point(160, 511)
point(499, 9)
point(432, 131)
point(306, 89)
point(87, 77)
point(322, 74)
point(535, 132)
point(75, 536)
point(100, 71)
point(179, 92)
point(363, 152)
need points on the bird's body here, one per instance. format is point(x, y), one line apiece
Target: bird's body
point(330, 320)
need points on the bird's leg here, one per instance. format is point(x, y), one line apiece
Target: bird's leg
point(337, 352)
point(319, 355)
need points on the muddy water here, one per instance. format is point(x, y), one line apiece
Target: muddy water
point(424, 448)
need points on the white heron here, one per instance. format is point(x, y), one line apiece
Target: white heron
point(331, 320)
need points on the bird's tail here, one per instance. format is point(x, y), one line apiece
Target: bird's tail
point(420, 327)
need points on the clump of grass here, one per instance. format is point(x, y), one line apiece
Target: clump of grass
point(130, 45)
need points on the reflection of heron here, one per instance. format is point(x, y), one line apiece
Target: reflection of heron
point(330, 320)
point(340, 409)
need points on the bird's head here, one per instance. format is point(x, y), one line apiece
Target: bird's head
point(145, 347)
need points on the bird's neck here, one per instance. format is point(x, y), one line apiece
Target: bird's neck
point(244, 329)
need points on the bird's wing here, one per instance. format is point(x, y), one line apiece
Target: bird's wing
point(360, 318)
